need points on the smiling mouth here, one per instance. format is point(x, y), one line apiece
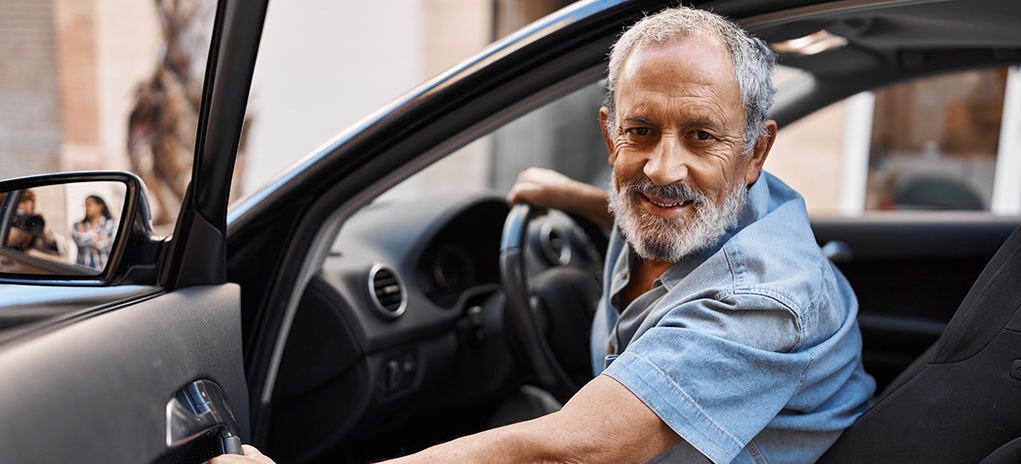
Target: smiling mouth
point(667, 205)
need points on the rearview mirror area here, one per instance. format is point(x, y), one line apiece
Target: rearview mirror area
point(78, 228)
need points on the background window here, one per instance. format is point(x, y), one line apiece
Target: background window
point(928, 144)
point(934, 142)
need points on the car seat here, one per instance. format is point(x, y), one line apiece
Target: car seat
point(960, 401)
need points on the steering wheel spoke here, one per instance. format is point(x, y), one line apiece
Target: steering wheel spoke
point(561, 308)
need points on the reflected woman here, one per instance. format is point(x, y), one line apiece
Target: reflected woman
point(94, 234)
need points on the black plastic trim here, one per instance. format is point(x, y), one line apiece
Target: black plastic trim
point(201, 258)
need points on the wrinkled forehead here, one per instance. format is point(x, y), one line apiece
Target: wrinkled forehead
point(682, 68)
point(707, 54)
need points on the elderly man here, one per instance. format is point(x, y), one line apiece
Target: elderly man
point(723, 333)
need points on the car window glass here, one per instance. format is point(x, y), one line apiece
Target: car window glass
point(563, 135)
point(104, 86)
point(928, 144)
point(325, 65)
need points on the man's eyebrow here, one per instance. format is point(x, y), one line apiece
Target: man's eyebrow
point(701, 122)
point(640, 120)
point(707, 123)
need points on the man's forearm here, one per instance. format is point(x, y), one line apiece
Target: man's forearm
point(550, 189)
point(603, 423)
point(502, 445)
point(591, 202)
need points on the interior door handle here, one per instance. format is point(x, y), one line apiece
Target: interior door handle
point(201, 410)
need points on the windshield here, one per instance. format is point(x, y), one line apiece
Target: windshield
point(323, 66)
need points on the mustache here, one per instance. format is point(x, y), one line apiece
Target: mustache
point(674, 192)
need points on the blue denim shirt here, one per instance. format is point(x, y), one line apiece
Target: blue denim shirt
point(749, 350)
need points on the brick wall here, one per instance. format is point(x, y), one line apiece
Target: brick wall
point(30, 130)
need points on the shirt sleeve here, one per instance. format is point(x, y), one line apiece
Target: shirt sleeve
point(717, 372)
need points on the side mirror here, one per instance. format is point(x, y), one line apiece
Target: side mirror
point(87, 228)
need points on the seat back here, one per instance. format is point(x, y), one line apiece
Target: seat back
point(965, 402)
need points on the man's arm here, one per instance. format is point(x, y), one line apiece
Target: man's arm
point(603, 423)
point(545, 188)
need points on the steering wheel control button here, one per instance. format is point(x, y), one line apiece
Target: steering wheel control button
point(477, 323)
point(472, 327)
point(586, 245)
point(1015, 369)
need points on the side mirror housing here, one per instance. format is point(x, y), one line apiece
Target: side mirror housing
point(82, 228)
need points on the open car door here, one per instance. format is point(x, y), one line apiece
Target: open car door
point(155, 373)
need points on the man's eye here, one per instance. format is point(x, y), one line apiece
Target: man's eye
point(703, 135)
point(641, 131)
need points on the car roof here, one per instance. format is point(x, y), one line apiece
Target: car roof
point(889, 42)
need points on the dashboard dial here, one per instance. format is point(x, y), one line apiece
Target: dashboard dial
point(453, 268)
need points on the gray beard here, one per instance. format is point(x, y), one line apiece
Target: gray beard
point(654, 237)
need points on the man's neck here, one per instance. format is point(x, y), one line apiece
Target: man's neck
point(643, 274)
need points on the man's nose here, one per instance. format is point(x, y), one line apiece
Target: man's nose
point(667, 163)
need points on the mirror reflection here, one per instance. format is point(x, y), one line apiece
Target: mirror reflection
point(67, 229)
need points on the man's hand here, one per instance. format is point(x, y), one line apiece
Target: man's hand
point(18, 239)
point(251, 456)
point(545, 188)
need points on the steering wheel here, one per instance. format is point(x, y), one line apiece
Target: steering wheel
point(522, 316)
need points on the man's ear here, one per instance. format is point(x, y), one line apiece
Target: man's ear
point(604, 119)
point(757, 157)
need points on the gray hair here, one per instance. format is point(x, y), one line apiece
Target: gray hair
point(753, 59)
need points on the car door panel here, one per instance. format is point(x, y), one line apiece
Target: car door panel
point(144, 380)
point(910, 272)
point(98, 390)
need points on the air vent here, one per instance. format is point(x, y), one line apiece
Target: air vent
point(387, 292)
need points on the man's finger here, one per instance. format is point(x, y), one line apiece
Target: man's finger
point(251, 456)
point(250, 450)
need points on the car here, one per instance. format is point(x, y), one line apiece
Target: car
point(323, 318)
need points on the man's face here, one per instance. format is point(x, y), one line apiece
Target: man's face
point(675, 149)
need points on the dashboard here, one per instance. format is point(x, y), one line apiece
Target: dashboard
point(402, 330)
